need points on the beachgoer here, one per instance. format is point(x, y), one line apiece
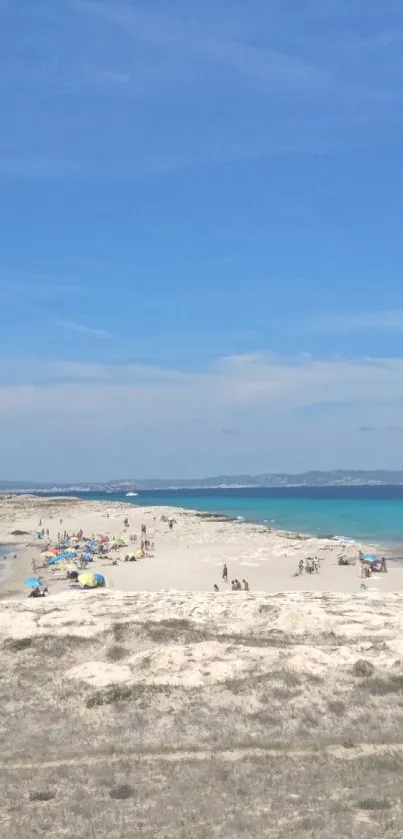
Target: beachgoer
point(216, 587)
point(225, 573)
point(238, 585)
point(316, 564)
point(245, 585)
point(34, 565)
point(383, 565)
point(301, 566)
point(171, 524)
point(233, 586)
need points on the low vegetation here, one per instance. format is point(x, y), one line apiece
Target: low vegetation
point(269, 736)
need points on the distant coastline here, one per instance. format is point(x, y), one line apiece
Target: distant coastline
point(339, 477)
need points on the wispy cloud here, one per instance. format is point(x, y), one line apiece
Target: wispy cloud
point(389, 319)
point(175, 63)
point(144, 417)
point(72, 326)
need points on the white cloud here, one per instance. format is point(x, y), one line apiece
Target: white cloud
point(71, 420)
point(239, 382)
point(72, 326)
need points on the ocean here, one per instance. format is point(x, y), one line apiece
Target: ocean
point(366, 513)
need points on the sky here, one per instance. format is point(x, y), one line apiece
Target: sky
point(201, 243)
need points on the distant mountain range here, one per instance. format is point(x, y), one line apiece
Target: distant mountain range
point(314, 478)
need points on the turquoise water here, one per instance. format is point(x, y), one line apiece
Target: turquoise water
point(369, 513)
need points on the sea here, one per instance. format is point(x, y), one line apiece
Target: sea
point(368, 513)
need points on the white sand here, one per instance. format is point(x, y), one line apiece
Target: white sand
point(189, 558)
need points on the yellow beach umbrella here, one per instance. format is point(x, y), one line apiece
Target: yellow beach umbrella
point(87, 580)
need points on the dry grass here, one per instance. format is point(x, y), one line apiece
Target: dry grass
point(271, 751)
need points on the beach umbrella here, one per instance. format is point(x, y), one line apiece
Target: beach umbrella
point(33, 582)
point(70, 554)
point(87, 580)
point(55, 559)
point(104, 539)
point(370, 558)
point(100, 579)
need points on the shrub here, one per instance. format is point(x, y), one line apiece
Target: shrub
point(374, 804)
point(363, 668)
point(116, 653)
point(42, 795)
point(122, 792)
point(15, 645)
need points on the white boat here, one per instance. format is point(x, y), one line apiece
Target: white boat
point(131, 494)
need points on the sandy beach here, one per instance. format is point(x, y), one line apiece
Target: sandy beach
point(157, 707)
point(189, 557)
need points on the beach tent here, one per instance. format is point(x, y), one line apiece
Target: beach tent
point(87, 580)
point(120, 542)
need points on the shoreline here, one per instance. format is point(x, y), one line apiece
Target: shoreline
point(190, 557)
point(378, 542)
point(222, 516)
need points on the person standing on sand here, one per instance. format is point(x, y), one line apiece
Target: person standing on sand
point(301, 566)
point(225, 573)
point(216, 587)
point(245, 585)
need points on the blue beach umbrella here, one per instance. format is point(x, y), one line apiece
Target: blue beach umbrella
point(54, 560)
point(33, 582)
point(370, 558)
point(100, 579)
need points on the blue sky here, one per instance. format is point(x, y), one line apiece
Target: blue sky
point(201, 250)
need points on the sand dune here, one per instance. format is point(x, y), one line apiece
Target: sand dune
point(196, 715)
